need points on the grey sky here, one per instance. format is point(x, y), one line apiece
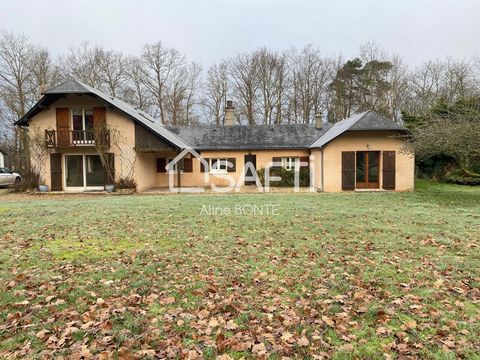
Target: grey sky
point(207, 30)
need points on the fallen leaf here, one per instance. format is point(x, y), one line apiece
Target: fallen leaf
point(167, 300)
point(303, 341)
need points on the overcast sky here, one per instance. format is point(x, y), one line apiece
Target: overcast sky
point(207, 30)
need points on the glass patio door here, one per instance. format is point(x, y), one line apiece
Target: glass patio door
point(94, 172)
point(367, 169)
point(74, 171)
point(84, 172)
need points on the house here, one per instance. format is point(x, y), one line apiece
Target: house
point(365, 151)
point(3, 153)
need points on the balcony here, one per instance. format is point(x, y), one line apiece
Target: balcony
point(76, 138)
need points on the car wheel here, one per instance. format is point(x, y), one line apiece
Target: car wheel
point(18, 180)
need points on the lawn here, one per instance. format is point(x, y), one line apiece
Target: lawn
point(343, 276)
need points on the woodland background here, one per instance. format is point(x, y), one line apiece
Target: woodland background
point(438, 100)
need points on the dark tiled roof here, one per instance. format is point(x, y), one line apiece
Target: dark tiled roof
point(373, 121)
point(253, 137)
point(241, 137)
point(76, 87)
point(69, 87)
point(365, 121)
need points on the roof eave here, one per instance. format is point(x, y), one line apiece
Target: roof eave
point(24, 121)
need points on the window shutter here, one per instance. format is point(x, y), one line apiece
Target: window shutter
point(277, 160)
point(305, 159)
point(389, 170)
point(99, 123)
point(99, 115)
point(161, 164)
point(187, 165)
point(56, 172)
point(348, 170)
point(233, 162)
point(63, 126)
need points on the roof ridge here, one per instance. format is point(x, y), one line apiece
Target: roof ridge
point(138, 115)
point(69, 79)
point(337, 128)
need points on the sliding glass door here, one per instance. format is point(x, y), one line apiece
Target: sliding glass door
point(95, 173)
point(367, 169)
point(84, 172)
point(74, 171)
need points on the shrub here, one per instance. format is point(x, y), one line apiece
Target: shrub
point(461, 177)
point(287, 177)
point(126, 183)
point(30, 181)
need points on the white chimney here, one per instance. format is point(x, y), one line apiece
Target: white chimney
point(229, 113)
point(318, 120)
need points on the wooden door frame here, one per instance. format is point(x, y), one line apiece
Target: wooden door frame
point(255, 164)
point(368, 184)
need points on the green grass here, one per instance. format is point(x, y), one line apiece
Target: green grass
point(358, 275)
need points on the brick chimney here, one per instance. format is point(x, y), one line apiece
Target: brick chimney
point(318, 120)
point(229, 113)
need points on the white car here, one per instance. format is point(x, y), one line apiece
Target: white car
point(8, 177)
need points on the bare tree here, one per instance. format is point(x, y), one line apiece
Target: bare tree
point(214, 93)
point(97, 67)
point(135, 91)
point(46, 72)
point(17, 92)
point(181, 94)
point(397, 95)
point(192, 99)
point(458, 80)
point(112, 70)
point(158, 63)
point(83, 63)
point(271, 74)
point(446, 80)
point(243, 75)
point(310, 75)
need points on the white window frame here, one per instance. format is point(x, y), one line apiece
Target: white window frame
point(78, 188)
point(291, 163)
point(222, 169)
point(83, 109)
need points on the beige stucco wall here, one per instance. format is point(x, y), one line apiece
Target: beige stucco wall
point(122, 141)
point(145, 171)
point(367, 141)
point(316, 160)
point(147, 177)
point(197, 178)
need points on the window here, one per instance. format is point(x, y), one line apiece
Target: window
point(85, 171)
point(82, 124)
point(291, 163)
point(218, 165)
point(177, 165)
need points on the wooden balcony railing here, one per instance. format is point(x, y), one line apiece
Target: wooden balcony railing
point(76, 138)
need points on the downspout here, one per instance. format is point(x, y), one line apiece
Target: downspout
point(321, 157)
point(179, 181)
